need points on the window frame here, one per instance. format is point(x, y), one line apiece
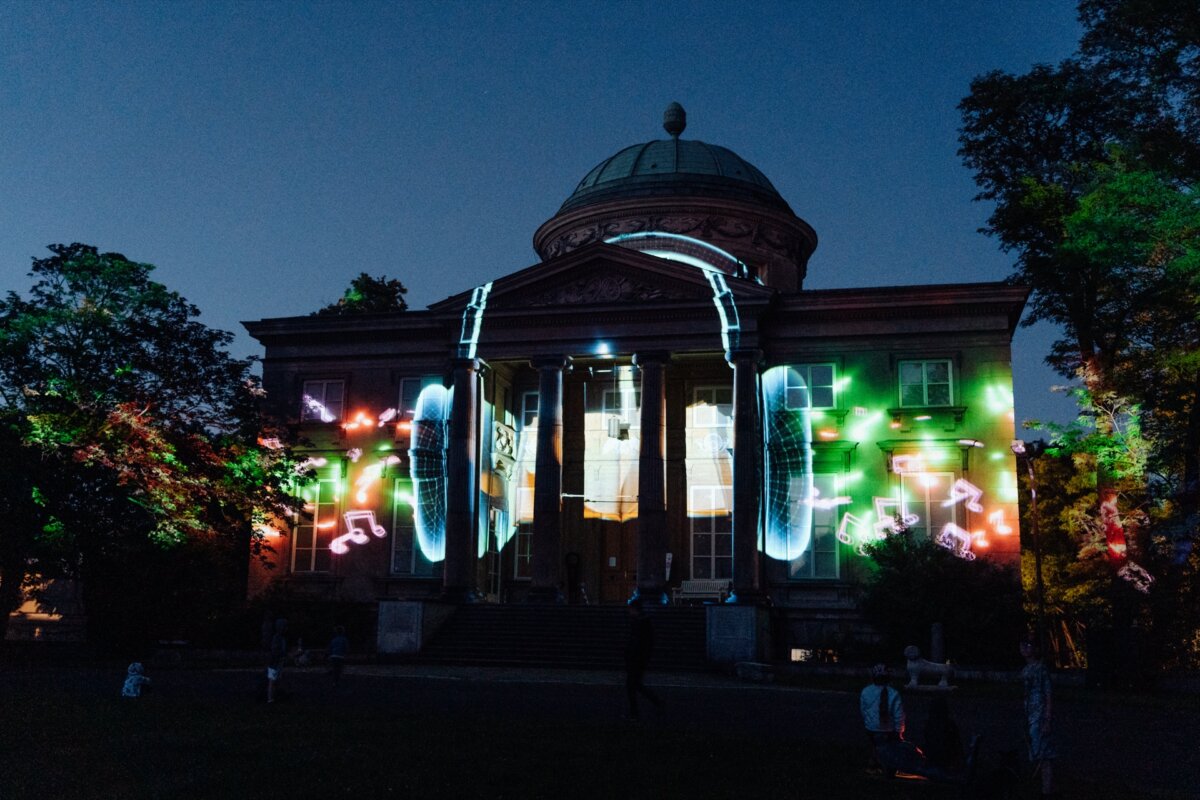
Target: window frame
point(712, 405)
point(320, 540)
point(805, 372)
point(713, 557)
point(522, 540)
point(404, 529)
point(307, 413)
point(928, 502)
point(925, 383)
point(837, 480)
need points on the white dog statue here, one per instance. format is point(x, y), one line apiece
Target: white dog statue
point(918, 665)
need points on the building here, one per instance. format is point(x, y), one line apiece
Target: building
point(657, 400)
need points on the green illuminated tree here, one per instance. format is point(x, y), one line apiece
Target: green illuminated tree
point(131, 432)
point(367, 295)
point(1092, 168)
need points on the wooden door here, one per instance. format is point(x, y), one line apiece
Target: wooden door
point(618, 567)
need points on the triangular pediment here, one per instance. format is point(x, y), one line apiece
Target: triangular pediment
point(601, 275)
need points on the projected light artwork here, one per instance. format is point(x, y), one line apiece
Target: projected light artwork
point(788, 478)
point(472, 324)
point(358, 525)
point(713, 261)
point(956, 540)
point(427, 456)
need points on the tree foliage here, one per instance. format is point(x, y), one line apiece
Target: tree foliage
point(918, 583)
point(368, 295)
point(129, 430)
point(1092, 167)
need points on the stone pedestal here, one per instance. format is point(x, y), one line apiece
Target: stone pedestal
point(737, 633)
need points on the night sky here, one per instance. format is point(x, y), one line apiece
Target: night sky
point(263, 154)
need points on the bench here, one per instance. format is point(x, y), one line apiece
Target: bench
point(715, 589)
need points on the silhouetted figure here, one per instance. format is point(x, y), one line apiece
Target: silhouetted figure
point(136, 681)
point(637, 656)
point(339, 645)
point(275, 658)
point(1038, 714)
point(943, 743)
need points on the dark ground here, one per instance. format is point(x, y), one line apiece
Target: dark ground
point(492, 733)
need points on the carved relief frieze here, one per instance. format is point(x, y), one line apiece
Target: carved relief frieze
point(611, 288)
point(713, 228)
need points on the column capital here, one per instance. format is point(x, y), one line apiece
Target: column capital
point(742, 355)
point(551, 362)
point(476, 364)
point(643, 358)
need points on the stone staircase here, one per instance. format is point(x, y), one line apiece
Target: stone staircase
point(583, 637)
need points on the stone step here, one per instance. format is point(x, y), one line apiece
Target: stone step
point(566, 636)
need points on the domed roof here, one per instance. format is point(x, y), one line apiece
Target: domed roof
point(675, 168)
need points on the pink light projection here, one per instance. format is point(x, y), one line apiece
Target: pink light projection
point(965, 490)
point(996, 518)
point(1136, 576)
point(359, 524)
point(885, 522)
point(956, 540)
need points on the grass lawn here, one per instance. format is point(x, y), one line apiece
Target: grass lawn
point(61, 737)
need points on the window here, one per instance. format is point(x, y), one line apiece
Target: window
point(811, 386)
point(926, 383)
point(410, 391)
point(523, 561)
point(310, 549)
point(624, 404)
point(321, 401)
point(924, 495)
point(529, 408)
point(819, 560)
point(407, 557)
point(712, 407)
point(712, 535)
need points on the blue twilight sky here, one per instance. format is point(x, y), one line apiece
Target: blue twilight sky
point(263, 154)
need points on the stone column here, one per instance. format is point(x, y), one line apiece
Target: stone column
point(747, 474)
point(547, 482)
point(462, 482)
point(652, 506)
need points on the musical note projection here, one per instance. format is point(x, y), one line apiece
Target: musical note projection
point(358, 525)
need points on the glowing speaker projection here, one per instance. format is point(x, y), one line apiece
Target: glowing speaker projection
point(427, 455)
point(787, 438)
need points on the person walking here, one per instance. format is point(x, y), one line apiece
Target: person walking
point(1039, 714)
point(277, 654)
point(638, 650)
point(339, 645)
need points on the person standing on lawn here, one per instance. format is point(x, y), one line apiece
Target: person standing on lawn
point(339, 645)
point(638, 650)
point(1038, 714)
point(276, 657)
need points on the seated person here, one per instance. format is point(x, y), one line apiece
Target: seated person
point(136, 681)
point(883, 717)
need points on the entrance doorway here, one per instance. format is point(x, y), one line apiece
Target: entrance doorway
point(618, 565)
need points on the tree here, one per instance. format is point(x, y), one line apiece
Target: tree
point(918, 583)
point(1092, 166)
point(367, 295)
point(130, 432)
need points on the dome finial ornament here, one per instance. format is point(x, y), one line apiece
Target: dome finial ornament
point(674, 120)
